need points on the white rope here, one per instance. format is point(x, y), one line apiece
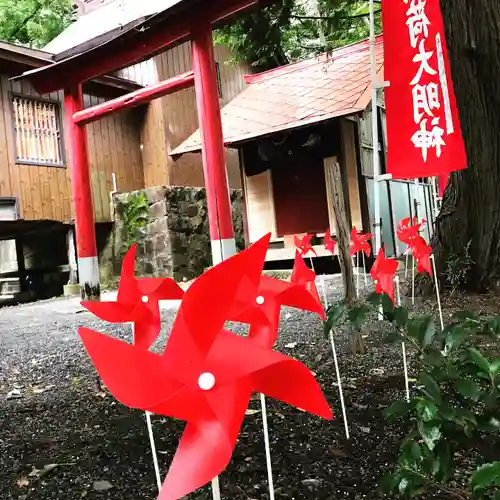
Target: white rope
point(437, 292)
point(403, 346)
point(267, 446)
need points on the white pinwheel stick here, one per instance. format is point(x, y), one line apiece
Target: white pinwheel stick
point(436, 281)
point(403, 346)
point(151, 436)
point(336, 363)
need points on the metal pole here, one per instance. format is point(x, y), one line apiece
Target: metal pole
point(375, 141)
point(213, 155)
point(88, 267)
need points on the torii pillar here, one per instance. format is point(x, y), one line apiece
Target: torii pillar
point(212, 142)
point(88, 266)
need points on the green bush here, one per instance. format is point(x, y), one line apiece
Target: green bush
point(454, 406)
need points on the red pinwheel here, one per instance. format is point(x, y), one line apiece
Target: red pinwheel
point(262, 312)
point(422, 254)
point(303, 245)
point(383, 272)
point(329, 243)
point(137, 302)
point(409, 229)
point(206, 375)
point(359, 242)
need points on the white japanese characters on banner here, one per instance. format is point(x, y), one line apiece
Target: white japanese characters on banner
point(420, 104)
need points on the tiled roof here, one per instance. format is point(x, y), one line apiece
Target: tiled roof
point(310, 91)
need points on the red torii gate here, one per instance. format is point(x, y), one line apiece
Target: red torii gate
point(124, 50)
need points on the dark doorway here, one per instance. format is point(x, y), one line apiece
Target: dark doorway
point(300, 197)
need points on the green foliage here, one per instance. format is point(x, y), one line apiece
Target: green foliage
point(134, 216)
point(455, 403)
point(291, 30)
point(458, 268)
point(33, 22)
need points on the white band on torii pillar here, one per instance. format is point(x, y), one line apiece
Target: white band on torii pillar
point(222, 250)
point(88, 276)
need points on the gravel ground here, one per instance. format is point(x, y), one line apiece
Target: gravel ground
point(101, 447)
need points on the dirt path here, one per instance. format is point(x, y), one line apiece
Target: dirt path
point(61, 418)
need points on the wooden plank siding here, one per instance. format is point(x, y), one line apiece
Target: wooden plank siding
point(172, 121)
point(44, 192)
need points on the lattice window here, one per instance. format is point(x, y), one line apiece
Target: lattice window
point(37, 131)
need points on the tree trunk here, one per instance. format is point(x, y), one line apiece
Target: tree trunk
point(471, 205)
point(342, 226)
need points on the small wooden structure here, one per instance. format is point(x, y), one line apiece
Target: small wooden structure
point(291, 126)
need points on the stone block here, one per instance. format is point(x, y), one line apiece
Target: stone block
point(158, 209)
point(155, 194)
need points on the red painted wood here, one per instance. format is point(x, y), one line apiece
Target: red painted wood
point(80, 175)
point(213, 155)
point(120, 53)
point(135, 98)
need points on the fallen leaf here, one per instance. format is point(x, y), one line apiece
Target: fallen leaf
point(38, 473)
point(23, 482)
point(102, 485)
point(366, 430)
point(291, 345)
point(14, 394)
point(251, 412)
point(337, 452)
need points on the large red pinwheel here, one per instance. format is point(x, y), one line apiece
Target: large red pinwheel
point(383, 272)
point(329, 243)
point(206, 375)
point(262, 310)
point(304, 245)
point(408, 229)
point(359, 242)
point(137, 302)
point(422, 254)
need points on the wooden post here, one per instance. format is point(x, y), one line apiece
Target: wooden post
point(342, 229)
point(21, 266)
point(72, 259)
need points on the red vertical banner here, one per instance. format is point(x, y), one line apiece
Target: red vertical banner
point(424, 137)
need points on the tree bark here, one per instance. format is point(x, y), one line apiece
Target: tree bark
point(342, 229)
point(471, 205)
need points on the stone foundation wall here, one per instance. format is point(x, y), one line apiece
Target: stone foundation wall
point(173, 238)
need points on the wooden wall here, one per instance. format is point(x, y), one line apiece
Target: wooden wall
point(45, 192)
point(176, 119)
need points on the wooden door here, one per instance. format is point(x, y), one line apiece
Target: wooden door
point(300, 197)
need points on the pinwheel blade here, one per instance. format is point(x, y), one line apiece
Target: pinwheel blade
point(127, 289)
point(113, 312)
point(207, 304)
point(269, 372)
point(137, 378)
point(160, 288)
point(207, 445)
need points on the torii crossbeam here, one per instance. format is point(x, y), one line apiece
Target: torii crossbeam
point(115, 51)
